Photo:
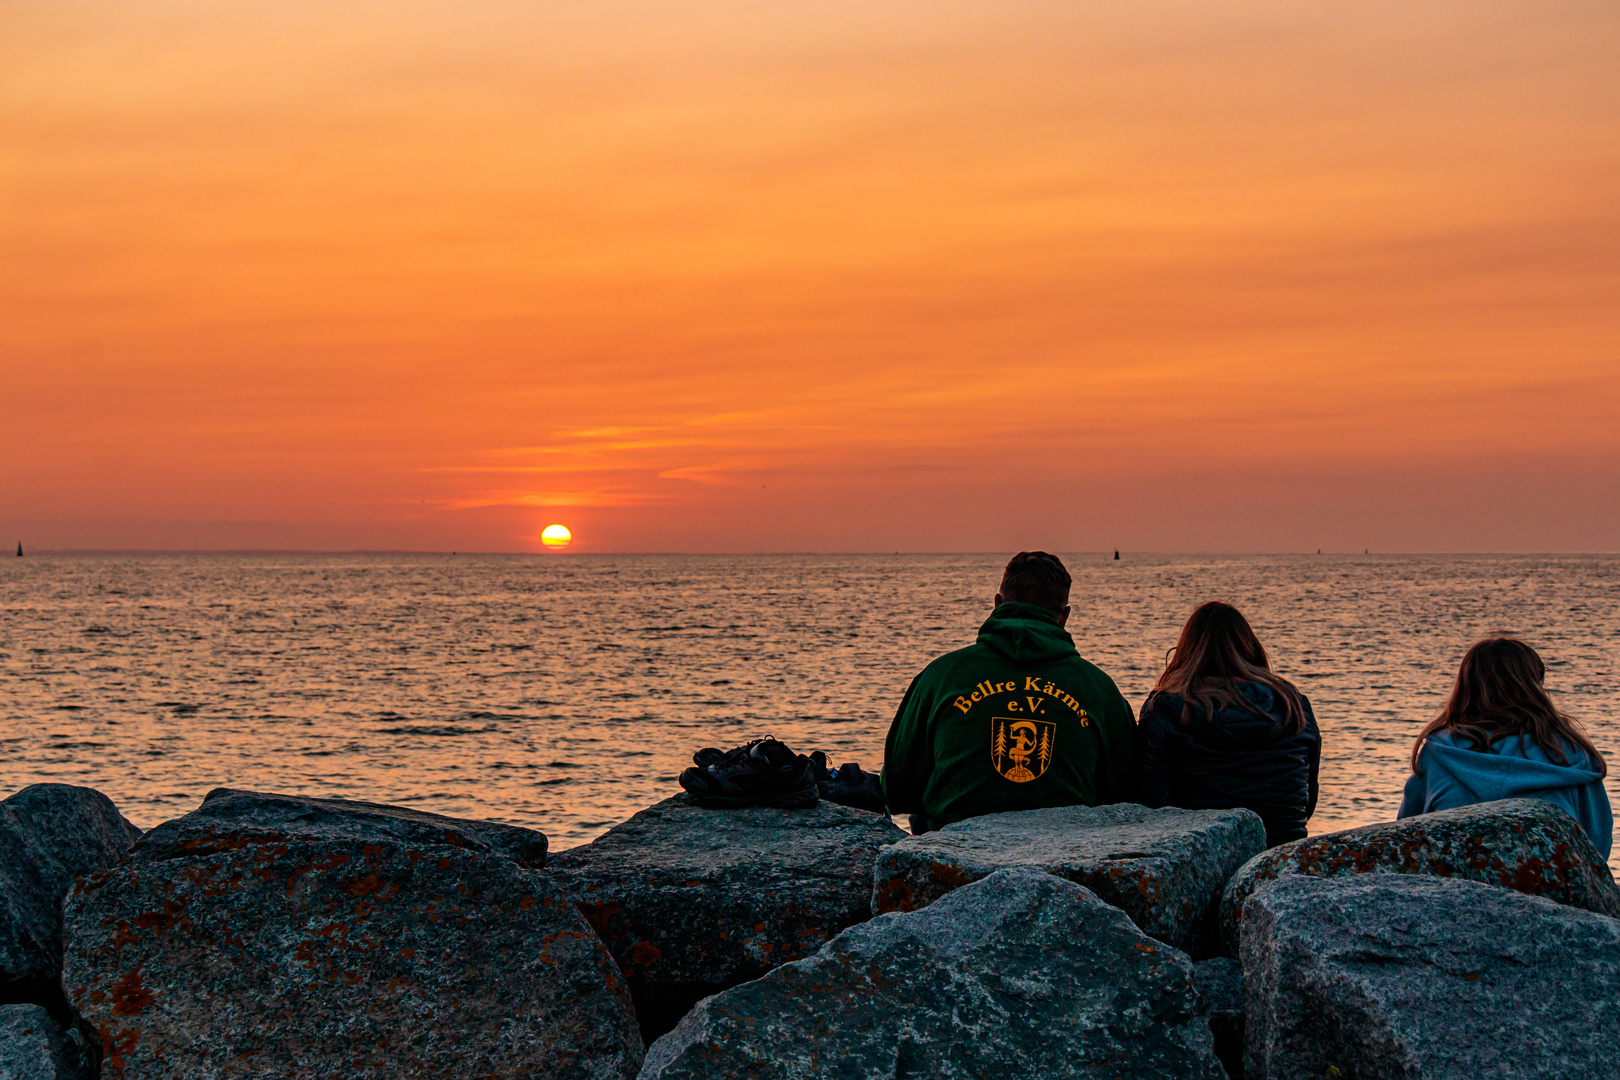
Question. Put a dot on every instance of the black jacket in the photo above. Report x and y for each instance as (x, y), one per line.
(1241, 759)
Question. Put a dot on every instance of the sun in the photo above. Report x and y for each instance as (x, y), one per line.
(555, 537)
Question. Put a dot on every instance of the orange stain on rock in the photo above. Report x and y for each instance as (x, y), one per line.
(129, 997)
(116, 1048)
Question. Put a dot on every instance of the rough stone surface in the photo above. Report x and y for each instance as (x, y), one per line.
(1527, 845)
(50, 834)
(1219, 982)
(33, 1047)
(1388, 975)
(691, 901)
(341, 957)
(1164, 868)
(1020, 974)
(229, 818)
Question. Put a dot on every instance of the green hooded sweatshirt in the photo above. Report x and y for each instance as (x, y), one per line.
(1016, 721)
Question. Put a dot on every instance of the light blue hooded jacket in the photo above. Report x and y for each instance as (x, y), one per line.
(1453, 775)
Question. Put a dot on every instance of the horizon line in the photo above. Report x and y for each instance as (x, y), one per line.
(457, 553)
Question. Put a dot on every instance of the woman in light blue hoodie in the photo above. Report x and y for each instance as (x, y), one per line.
(1501, 737)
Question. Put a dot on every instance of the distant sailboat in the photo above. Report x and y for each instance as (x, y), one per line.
(19, 549)
(1116, 554)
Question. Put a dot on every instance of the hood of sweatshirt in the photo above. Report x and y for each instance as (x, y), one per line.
(1026, 633)
(1515, 767)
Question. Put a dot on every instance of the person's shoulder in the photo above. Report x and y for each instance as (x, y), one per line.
(1161, 703)
(1443, 737)
(941, 667)
(1267, 700)
(967, 654)
(1522, 746)
(1444, 750)
(1161, 708)
(1091, 672)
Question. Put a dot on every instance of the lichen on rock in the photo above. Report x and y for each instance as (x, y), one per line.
(50, 834)
(338, 953)
(1526, 845)
(1164, 868)
(229, 819)
(691, 901)
(1405, 975)
(1020, 974)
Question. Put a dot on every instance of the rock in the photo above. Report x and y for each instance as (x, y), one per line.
(1020, 974)
(32, 1047)
(228, 819)
(1164, 868)
(692, 901)
(1219, 982)
(1522, 844)
(405, 951)
(1386, 975)
(50, 834)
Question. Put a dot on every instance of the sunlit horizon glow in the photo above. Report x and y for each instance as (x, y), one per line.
(1174, 276)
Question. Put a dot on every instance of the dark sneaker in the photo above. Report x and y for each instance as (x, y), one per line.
(761, 773)
(848, 785)
(711, 756)
(819, 771)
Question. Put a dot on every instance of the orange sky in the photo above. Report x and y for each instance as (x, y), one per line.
(810, 276)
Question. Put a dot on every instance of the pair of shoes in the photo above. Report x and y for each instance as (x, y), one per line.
(760, 773)
(848, 785)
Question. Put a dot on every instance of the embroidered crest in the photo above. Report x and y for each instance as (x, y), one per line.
(1021, 749)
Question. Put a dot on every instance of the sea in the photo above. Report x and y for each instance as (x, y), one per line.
(565, 692)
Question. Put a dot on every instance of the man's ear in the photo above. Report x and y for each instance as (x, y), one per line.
(998, 601)
(1063, 616)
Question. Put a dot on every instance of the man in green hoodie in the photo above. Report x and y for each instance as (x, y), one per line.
(1015, 721)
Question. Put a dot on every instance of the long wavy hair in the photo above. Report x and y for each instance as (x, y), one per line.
(1218, 650)
(1499, 693)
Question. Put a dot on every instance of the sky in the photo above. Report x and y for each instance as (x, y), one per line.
(1165, 275)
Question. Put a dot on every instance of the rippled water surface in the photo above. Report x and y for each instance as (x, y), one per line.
(566, 692)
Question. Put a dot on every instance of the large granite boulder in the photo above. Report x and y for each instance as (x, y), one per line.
(262, 952)
(50, 834)
(229, 819)
(1020, 974)
(1164, 868)
(691, 901)
(33, 1047)
(1386, 975)
(1527, 845)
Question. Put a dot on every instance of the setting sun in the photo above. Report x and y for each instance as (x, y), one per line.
(782, 277)
(555, 537)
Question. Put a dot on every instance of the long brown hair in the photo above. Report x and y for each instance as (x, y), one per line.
(1216, 651)
(1499, 693)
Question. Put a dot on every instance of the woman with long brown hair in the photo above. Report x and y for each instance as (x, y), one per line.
(1501, 737)
(1221, 731)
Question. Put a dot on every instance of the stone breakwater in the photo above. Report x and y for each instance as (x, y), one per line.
(267, 935)
(1163, 868)
(691, 902)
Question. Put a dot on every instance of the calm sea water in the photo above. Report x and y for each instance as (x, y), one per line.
(566, 692)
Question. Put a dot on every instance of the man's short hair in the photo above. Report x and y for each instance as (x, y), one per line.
(1034, 577)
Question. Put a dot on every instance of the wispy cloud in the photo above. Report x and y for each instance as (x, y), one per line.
(594, 498)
